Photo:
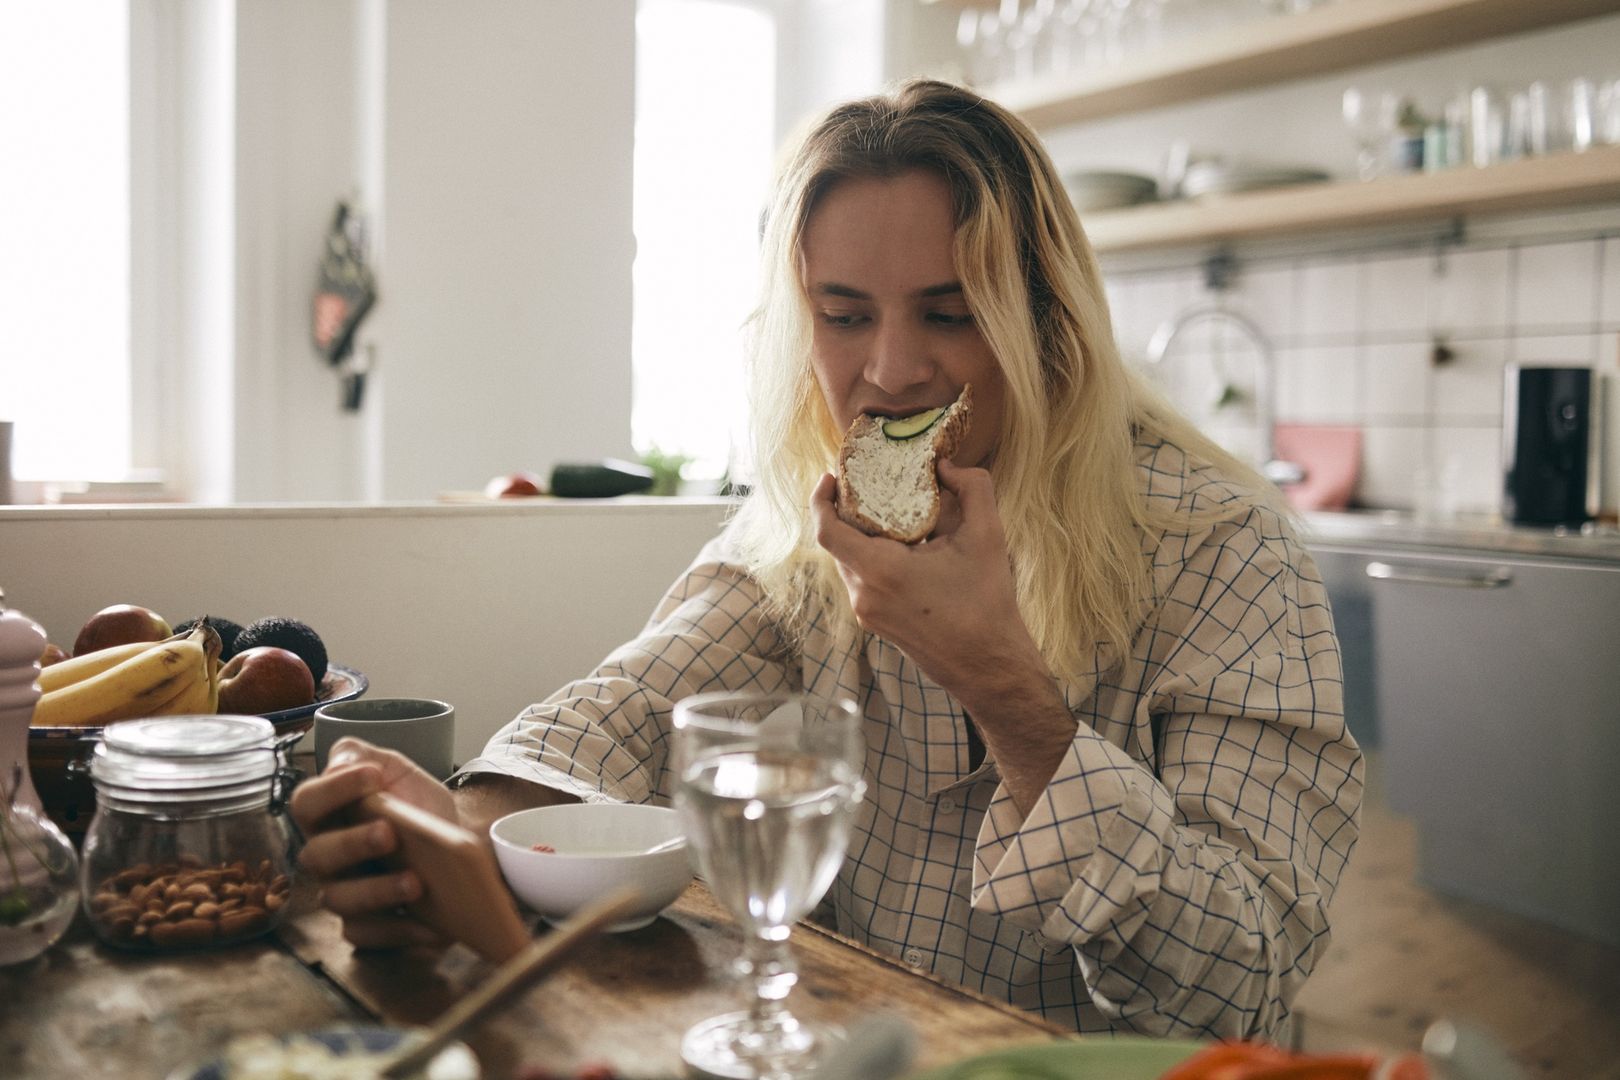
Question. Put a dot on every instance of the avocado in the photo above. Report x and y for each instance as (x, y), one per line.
(289, 634)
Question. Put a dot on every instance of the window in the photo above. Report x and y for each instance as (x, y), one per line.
(704, 140)
(64, 237)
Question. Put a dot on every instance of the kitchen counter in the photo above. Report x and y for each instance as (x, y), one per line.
(1475, 533)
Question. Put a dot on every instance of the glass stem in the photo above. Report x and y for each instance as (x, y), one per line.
(768, 962)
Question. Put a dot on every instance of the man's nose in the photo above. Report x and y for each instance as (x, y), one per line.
(900, 358)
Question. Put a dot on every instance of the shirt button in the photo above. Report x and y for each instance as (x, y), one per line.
(914, 957)
(947, 804)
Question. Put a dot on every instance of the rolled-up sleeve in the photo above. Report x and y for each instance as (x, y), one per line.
(605, 737)
(1193, 887)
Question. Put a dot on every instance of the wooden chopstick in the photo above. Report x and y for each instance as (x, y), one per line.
(513, 976)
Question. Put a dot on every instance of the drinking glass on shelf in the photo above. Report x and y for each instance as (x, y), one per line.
(767, 786)
(1580, 113)
(1371, 117)
(1607, 121)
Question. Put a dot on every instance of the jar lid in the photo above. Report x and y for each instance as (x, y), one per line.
(171, 755)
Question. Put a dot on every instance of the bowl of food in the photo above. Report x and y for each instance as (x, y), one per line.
(126, 658)
(557, 859)
(347, 1053)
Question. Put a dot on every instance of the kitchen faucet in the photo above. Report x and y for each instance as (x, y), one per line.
(1278, 472)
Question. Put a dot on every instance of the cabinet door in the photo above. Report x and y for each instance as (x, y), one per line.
(1499, 699)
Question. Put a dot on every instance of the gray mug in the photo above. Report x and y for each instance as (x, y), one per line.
(422, 729)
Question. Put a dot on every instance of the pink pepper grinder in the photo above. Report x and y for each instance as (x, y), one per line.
(39, 872)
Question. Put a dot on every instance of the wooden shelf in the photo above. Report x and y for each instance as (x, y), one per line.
(1276, 49)
(1525, 185)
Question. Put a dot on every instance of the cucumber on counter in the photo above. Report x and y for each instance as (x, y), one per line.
(600, 479)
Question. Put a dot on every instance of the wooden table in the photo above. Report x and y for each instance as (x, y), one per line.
(85, 1011)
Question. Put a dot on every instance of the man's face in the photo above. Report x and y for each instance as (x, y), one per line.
(893, 334)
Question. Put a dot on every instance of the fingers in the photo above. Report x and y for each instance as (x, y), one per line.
(975, 495)
(343, 783)
(388, 932)
(394, 766)
(950, 514)
(361, 896)
(836, 536)
(335, 852)
(824, 500)
(972, 486)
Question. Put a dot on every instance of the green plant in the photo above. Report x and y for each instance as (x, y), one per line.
(666, 469)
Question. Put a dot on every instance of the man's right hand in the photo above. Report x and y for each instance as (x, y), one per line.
(343, 855)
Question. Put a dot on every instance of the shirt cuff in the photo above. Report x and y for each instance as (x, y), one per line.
(1085, 858)
(526, 768)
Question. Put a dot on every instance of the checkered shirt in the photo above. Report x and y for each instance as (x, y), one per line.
(1174, 878)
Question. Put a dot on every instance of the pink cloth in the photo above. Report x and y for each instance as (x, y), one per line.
(1331, 458)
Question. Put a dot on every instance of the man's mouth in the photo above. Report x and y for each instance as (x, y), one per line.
(888, 413)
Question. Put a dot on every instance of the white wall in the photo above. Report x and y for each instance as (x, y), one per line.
(297, 121)
(506, 238)
(489, 607)
(490, 142)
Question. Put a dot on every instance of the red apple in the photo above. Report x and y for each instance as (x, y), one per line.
(514, 485)
(121, 624)
(264, 679)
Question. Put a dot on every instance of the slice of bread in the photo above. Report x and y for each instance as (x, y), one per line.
(888, 486)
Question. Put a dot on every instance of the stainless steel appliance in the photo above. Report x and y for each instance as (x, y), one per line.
(1550, 445)
(1498, 688)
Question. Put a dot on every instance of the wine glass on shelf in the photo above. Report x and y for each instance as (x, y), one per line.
(767, 786)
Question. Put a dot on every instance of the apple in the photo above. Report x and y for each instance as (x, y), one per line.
(53, 654)
(121, 624)
(264, 679)
(514, 485)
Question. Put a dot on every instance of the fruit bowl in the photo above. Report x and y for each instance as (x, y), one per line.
(70, 799)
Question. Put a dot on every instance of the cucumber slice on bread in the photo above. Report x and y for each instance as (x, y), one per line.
(909, 427)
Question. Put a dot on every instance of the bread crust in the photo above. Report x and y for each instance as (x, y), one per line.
(944, 438)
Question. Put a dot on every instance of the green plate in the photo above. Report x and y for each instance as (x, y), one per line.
(1092, 1057)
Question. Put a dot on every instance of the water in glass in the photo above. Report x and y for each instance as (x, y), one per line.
(767, 787)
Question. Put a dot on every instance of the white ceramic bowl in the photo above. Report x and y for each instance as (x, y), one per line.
(597, 850)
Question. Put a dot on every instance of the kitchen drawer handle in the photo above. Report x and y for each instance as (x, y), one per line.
(1495, 578)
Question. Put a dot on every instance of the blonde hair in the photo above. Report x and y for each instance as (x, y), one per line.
(1065, 474)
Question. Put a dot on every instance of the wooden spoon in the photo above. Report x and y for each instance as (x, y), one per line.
(512, 976)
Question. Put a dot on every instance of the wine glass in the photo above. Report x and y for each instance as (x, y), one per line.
(767, 786)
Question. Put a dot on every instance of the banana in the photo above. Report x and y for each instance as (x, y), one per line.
(138, 686)
(79, 668)
(212, 645)
(195, 699)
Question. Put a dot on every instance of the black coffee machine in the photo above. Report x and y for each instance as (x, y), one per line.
(1550, 444)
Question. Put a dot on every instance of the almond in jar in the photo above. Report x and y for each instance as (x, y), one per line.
(186, 849)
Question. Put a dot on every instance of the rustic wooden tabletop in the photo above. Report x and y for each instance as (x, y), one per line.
(83, 1010)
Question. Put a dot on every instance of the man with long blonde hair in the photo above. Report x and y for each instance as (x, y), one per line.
(1108, 774)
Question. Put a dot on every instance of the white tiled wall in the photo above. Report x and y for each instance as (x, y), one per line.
(1354, 339)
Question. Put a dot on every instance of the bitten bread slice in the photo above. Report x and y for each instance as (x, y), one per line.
(887, 486)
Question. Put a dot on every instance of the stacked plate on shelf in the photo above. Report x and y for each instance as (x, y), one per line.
(1219, 178)
(1094, 190)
